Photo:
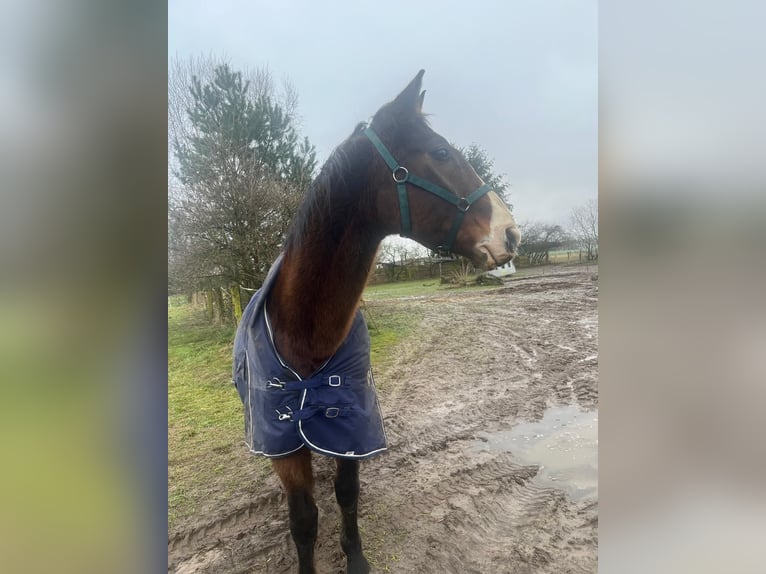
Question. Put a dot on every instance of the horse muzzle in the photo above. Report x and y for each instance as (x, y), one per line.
(512, 239)
(500, 245)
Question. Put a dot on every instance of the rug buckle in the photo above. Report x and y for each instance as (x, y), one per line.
(275, 383)
(284, 416)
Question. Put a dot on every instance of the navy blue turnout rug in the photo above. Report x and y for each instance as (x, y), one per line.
(334, 412)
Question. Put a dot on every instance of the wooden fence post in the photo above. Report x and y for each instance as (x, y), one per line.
(209, 304)
(236, 303)
(218, 298)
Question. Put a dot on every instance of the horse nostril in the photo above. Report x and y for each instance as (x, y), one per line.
(511, 239)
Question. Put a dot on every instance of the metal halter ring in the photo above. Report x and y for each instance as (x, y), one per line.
(463, 204)
(397, 170)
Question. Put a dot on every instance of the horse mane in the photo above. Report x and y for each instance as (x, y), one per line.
(339, 189)
(336, 190)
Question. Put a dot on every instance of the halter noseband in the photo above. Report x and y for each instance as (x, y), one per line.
(402, 176)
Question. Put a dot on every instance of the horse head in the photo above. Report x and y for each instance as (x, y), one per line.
(429, 192)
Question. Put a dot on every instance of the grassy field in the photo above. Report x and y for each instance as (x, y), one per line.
(206, 451)
(401, 289)
(414, 288)
(571, 256)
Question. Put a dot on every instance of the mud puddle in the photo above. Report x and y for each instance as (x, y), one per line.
(564, 444)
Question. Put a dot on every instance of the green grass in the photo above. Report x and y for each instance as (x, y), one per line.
(388, 327)
(400, 289)
(564, 256)
(208, 463)
(414, 288)
(199, 367)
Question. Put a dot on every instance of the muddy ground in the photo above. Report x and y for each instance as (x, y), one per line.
(446, 498)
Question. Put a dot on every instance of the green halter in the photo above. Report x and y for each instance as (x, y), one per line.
(402, 176)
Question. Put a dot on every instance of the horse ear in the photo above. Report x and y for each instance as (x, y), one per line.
(420, 101)
(409, 98)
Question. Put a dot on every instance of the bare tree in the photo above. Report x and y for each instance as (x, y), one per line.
(584, 222)
(538, 239)
(397, 255)
(393, 256)
(180, 98)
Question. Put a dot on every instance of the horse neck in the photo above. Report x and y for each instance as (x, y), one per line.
(317, 291)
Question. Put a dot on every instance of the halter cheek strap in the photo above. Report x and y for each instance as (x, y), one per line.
(402, 176)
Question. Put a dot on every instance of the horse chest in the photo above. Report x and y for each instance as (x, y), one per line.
(334, 412)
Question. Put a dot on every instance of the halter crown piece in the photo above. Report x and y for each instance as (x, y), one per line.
(402, 177)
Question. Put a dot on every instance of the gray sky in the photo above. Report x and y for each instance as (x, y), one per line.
(518, 78)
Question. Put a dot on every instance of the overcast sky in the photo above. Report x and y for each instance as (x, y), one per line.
(518, 78)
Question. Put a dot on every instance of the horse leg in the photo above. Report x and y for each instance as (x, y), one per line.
(298, 480)
(347, 495)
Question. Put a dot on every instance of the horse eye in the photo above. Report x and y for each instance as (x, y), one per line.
(440, 153)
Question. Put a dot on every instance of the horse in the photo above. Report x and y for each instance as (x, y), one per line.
(314, 391)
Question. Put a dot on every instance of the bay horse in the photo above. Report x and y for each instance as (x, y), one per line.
(309, 387)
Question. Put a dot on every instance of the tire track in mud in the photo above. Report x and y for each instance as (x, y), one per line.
(479, 362)
(489, 516)
(232, 525)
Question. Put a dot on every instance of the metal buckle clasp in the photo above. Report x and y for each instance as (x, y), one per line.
(334, 381)
(331, 412)
(275, 383)
(284, 416)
